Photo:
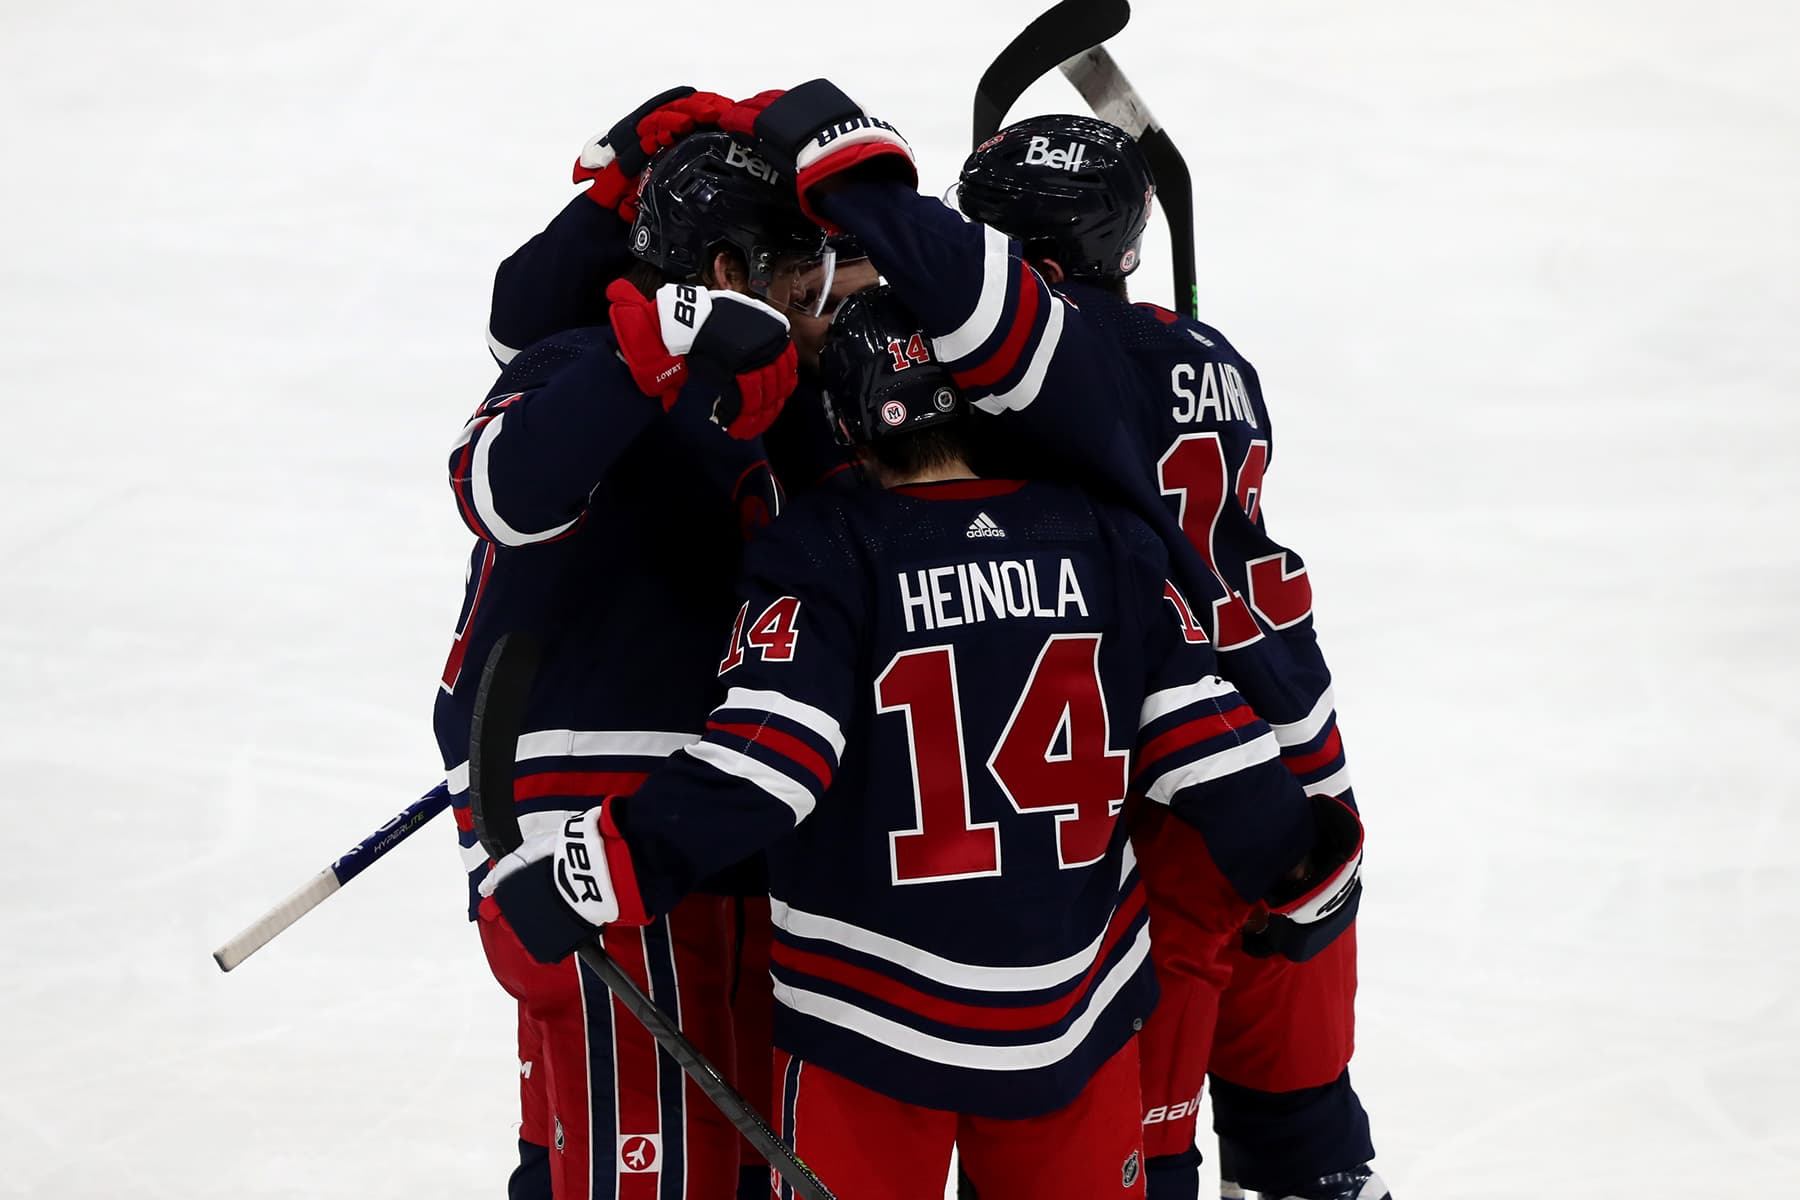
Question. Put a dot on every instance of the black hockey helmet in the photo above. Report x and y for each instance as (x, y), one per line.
(1074, 189)
(714, 189)
(880, 375)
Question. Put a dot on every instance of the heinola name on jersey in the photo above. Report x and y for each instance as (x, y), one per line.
(943, 597)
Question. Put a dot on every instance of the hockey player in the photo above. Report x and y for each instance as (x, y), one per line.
(608, 505)
(557, 281)
(1183, 426)
(933, 695)
(1289, 1122)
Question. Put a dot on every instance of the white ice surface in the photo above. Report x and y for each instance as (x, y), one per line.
(1521, 281)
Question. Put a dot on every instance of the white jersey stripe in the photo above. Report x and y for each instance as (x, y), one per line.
(967, 1054)
(1160, 704)
(1028, 387)
(783, 787)
(1258, 749)
(799, 712)
(502, 352)
(1298, 733)
(481, 490)
(584, 743)
(1334, 784)
(969, 337)
(945, 971)
(531, 824)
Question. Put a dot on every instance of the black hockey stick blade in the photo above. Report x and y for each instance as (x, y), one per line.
(494, 741)
(1058, 34)
(499, 716)
(1110, 94)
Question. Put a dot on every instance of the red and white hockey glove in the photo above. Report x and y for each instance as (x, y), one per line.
(613, 161)
(821, 133)
(1307, 914)
(559, 888)
(735, 343)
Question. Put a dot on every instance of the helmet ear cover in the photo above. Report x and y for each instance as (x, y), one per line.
(713, 191)
(880, 373)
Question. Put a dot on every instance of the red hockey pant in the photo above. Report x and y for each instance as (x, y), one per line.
(753, 1014)
(866, 1146)
(1264, 1023)
(621, 1119)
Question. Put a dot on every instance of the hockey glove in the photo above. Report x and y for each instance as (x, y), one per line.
(728, 340)
(1308, 914)
(613, 161)
(557, 889)
(820, 133)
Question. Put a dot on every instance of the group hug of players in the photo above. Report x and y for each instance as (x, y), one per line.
(927, 720)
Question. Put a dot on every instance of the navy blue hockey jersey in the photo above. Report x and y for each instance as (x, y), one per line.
(557, 281)
(612, 530)
(1161, 410)
(939, 699)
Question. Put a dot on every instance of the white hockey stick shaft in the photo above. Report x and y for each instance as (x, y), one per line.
(312, 893)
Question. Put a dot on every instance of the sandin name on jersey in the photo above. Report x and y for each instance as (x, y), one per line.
(944, 597)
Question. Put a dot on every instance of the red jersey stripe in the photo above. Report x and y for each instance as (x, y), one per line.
(1300, 764)
(784, 744)
(950, 1012)
(1197, 730)
(1004, 359)
(578, 783)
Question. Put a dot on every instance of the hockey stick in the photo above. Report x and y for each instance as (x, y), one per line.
(1104, 86)
(1069, 36)
(494, 739)
(313, 892)
(1056, 36)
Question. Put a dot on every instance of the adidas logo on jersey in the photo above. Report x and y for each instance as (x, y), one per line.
(984, 526)
(1039, 154)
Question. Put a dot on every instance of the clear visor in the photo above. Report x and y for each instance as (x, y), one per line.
(803, 285)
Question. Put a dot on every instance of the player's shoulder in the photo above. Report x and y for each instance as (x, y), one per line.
(1133, 536)
(541, 361)
(823, 530)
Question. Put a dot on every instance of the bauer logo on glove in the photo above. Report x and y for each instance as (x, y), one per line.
(575, 874)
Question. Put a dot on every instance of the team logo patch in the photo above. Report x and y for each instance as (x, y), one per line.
(1129, 1174)
(1128, 259)
(943, 399)
(893, 412)
(640, 1153)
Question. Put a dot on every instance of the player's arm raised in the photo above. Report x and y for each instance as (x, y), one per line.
(557, 280)
(1009, 340)
(527, 461)
(769, 754)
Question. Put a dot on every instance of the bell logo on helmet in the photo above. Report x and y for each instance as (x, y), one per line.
(747, 162)
(893, 412)
(1039, 154)
(991, 143)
